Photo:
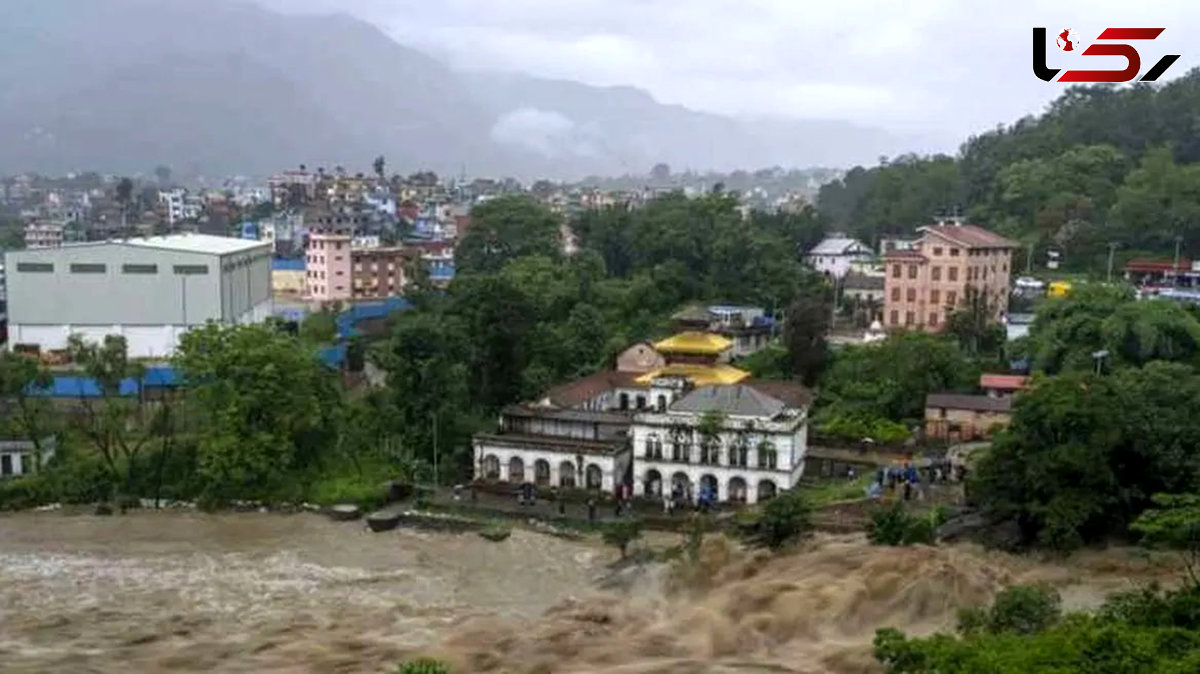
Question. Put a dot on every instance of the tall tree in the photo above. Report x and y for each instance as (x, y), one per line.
(804, 329)
(504, 229)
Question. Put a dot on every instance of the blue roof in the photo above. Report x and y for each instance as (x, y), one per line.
(333, 356)
(71, 386)
(287, 264)
(367, 311)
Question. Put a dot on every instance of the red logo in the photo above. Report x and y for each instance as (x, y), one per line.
(1067, 41)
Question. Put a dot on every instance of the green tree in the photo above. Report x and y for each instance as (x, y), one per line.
(31, 416)
(785, 519)
(115, 424)
(974, 325)
(1085, 452)
(380, 167)
(504, 229)
(621, 533)
(1174, 522)
(269, 406)
(163, 174)
(804, 329)
(319, 328)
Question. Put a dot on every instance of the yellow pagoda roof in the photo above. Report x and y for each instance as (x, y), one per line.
(702, 343)
(700, 375)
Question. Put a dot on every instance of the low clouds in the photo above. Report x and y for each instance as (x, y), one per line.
(950, 67)
(549, 134)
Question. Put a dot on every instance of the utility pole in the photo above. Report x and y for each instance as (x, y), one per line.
(1175, 267)
(435, 450)
(1029, 261)
(1112, 247)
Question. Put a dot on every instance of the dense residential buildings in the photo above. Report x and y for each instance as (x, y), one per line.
(949, 266)
(834, 255)
(379, 272)
(44, 235)
(149, 290)
(327, 257)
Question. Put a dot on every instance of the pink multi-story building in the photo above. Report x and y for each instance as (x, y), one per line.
(327, 263)
(948, 264)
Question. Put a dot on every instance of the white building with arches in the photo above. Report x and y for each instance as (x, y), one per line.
(552, 447)
(742, 442)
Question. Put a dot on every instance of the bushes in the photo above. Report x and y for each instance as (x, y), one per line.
(621, 533)
(785, 519)
(1020, 609)
(424, 666)
(855, 427)
(364, 492)
(1140, 632)
(893, 525)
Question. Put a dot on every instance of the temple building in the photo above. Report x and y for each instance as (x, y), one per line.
(585, 433)
(739, 442)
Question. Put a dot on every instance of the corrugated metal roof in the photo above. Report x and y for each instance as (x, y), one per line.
(694, 342)
(736, 400)
(195, 243)
(957, 401)
(838, 246)
(72, 386)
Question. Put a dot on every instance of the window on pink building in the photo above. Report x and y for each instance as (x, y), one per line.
(937, 250)
(912, 295)
(912, 271)
(934, 296)
(933, 319)
(951, 298)
(953, 252)
(952, 273)
(895, 271)
(935, 274)
(908, 318)
(895, 294)
(895, 317)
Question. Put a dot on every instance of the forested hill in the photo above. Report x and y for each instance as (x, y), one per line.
(1103, 164)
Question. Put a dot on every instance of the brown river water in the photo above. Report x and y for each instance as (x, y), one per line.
(188, 592)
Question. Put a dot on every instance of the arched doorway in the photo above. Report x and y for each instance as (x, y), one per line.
(594, 476)
(766, 490)
(491, 467)
(681, 487)
(708, 488)
(566, 475)
(653, 486)
(516, 470)
(737, 490)
(541, 472)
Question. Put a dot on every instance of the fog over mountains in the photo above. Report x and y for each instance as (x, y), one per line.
(222, 86)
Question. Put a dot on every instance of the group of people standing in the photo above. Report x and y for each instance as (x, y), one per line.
(908, 477)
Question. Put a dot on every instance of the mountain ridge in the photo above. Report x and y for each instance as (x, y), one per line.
(231, 87)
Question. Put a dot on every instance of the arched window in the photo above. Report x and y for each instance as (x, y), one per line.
(766, 490)
(541, 472)
(566, 475)
(594, 476)
(516, 470)
(662, 403)
(653, 487)
(737, 490)
(491, 467)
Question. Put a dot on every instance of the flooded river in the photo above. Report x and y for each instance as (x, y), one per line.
(187, 592)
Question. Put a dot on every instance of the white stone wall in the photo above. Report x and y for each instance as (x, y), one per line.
(790, 439)
(611, 468)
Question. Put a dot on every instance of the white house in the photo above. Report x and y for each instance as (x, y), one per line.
(20, 457)
(834, 255)
(758, 447)
(549, 446)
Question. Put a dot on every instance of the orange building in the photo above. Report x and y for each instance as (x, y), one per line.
(926, 283)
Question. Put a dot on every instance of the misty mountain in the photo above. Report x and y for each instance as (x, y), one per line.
(219, 86)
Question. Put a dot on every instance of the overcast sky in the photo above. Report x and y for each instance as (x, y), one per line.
(941, 67)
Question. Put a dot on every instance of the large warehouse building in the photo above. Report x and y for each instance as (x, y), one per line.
(148, 290)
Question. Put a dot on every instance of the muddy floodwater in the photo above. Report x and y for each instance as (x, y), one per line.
(187, 592)
(159, 592)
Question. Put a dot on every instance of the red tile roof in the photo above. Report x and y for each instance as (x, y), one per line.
(580, 391)
(905, 254)
(1004, 382)
(1157, 265)
(971, 236)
